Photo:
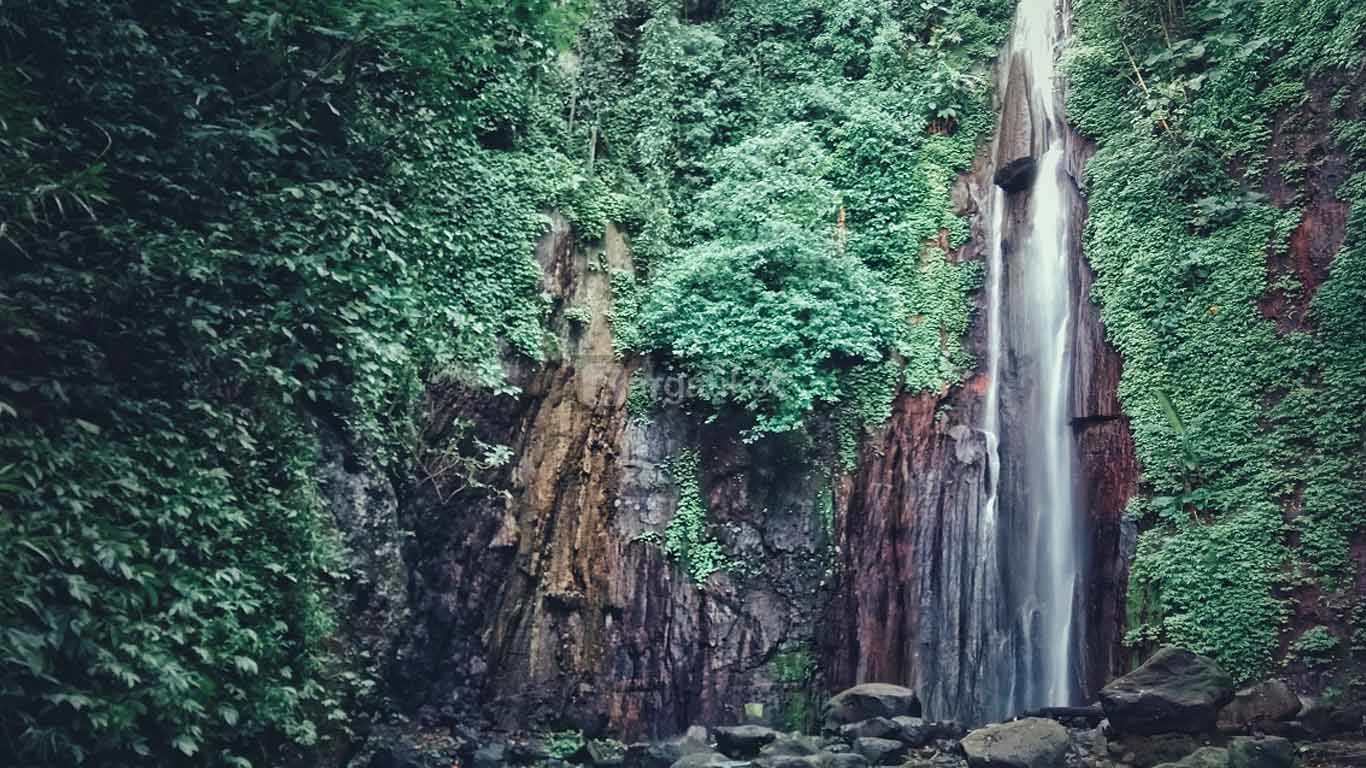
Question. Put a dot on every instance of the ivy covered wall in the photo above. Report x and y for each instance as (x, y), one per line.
(1227, 236)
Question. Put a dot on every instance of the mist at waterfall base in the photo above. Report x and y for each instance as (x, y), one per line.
(1030, 554)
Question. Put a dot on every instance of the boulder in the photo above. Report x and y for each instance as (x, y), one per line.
(795, 745)
(869, 700)
(661, 754)
(1033, 742)
(1320, 717)
(1175, 690)
(1265, 752)
(1016, 175)
(1204, 757)
(488, 756)
(818, 760)
(709, 760)
(1148, 751)
(1271, 700)
(874, 727)
(743, 740)
(847, 760)
(916, 732)
(880, 751)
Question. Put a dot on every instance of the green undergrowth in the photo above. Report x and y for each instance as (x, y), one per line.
(1249, 435)
(788, 164)
(688, 537)
(220, 224)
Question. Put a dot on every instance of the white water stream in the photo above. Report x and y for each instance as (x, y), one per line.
(1029, 327)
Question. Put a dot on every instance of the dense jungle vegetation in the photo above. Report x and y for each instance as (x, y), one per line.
(1249, 427)
(228, 226)
(228, 223)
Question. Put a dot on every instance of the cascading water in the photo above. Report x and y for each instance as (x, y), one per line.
(1030, 449)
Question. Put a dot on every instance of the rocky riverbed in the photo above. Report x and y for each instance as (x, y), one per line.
(1177, 710)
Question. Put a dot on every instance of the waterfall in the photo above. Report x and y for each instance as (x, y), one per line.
(1030, 495)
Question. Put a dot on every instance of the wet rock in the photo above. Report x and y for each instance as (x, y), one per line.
(1265, 701)
(1017, 175)
(661, 754)
(1320, 717)
(1175, 690)
(916, 732)
(817, 760)
(869, 700)
(847, 760)
(1148, 751)
(880, 751)
(490, 756)
(743, 740)
(1091, 742)
(709, 760)
(1267, 752)
(792, 745)
(1204, 757)
(874, 727)
(1029, 743)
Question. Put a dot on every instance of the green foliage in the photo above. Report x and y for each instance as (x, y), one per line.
(562, 744)
(1235, 420)
(688, 538)
(221, 223)
(767, 324)
(624, 314)
(794, 669)
(640, 398)
(1315, 646)
(789, 165)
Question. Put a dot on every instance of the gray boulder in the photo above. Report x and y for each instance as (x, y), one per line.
(847, 760)
(1148, 751)
(917, 732)
(662, 754)
(795, 745)
(869, 700)
(1032, 742)
(1175, 690)
(1204, 757)
(1266, 752)
(880, 751)
(792, 761)
(709, 760)
(1267, 701)
(873, 727)
(1321, 717)
(743, 740)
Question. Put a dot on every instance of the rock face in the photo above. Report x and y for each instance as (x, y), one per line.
(870, 700)
(1017, 175)
(542, 603)
(1266, 701)
(743, 740)
(876, 727)
(1032, 742)
(880, 751)
(1173, 691)
(917, 602)
(1267, 752)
